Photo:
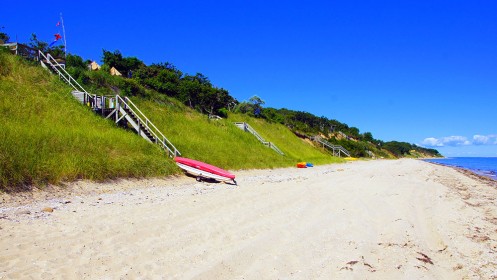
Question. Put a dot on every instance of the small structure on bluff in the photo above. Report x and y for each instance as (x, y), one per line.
(94, 66)
(114, 72)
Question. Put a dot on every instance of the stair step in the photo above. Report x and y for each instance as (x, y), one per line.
(79, 95)
(246, 127)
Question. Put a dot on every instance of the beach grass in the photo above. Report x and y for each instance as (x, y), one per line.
(222, 143)
(48, 137)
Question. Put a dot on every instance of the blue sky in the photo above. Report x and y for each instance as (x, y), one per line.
(423, 72)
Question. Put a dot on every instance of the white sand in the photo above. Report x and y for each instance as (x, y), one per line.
(403, 219)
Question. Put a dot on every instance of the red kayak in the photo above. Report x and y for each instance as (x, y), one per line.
(204, 170)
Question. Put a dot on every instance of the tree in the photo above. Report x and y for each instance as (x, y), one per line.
(274, 115)
(162, 77)
(76, 61)
(113, 59)
(37, 44)
(368, 136)
(244, 108)
(57, 51)
(124, 65)
(3, 36)
(399, 149)
(257, 103)
(354, 131)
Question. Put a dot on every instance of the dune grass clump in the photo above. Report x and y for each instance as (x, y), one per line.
(221, 143)
(48, 137)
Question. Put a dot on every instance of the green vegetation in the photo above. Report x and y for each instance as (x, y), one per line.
(221, 143)
(358, 144)
(293, 147)
(196, 92)
(48, 137)
(51, 138)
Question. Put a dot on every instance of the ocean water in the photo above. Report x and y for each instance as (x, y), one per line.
(486, 166)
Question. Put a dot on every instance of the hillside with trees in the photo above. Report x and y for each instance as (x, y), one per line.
(49, 137)
(160, 81)
(198, 93)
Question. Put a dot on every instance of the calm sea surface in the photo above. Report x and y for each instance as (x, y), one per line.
(486, 166)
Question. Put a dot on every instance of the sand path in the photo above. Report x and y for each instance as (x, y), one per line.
(403, 219)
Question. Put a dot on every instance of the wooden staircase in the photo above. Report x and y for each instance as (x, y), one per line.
(337, 150)
(246, 127)
(121, 109)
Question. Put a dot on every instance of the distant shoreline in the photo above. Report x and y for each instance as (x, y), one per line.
(480, 173)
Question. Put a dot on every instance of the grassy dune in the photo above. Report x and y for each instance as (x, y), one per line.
(221, 143)
(294, 148)
(48, 137)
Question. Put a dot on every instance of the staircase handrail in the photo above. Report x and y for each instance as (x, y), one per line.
(63, 73)
(319, 139)
(273, 146)
(251, 130)
(247, 127)
(164, 142)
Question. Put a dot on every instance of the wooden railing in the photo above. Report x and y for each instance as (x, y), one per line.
(337, 150)
(246, 127)
(158, 137)
(63, 75)
(109, 106)
(25, 51)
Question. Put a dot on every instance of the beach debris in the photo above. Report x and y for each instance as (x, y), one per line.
(493, 246)
(47, 209)
(445, 248)
(425, 258)
(370, 267)
(389, 244)
(457, 267)
(347, 268)
(23, 212)
(349, 265)
(479, 238)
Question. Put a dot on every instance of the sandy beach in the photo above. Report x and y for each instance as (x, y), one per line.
(385, 219)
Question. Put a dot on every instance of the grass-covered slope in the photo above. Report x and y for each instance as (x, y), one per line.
(221, 143)
(293, 147)
(48, 137)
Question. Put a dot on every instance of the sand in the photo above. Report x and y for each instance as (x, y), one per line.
(402, 219)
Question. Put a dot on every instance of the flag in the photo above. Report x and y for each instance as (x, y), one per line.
(57, 37)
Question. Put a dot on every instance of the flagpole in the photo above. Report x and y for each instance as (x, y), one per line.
(64, 32)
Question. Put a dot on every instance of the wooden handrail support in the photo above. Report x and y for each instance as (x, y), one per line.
(247, 127)
(142, 118)
(128, 104)
(339, 148)
(66, 76)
